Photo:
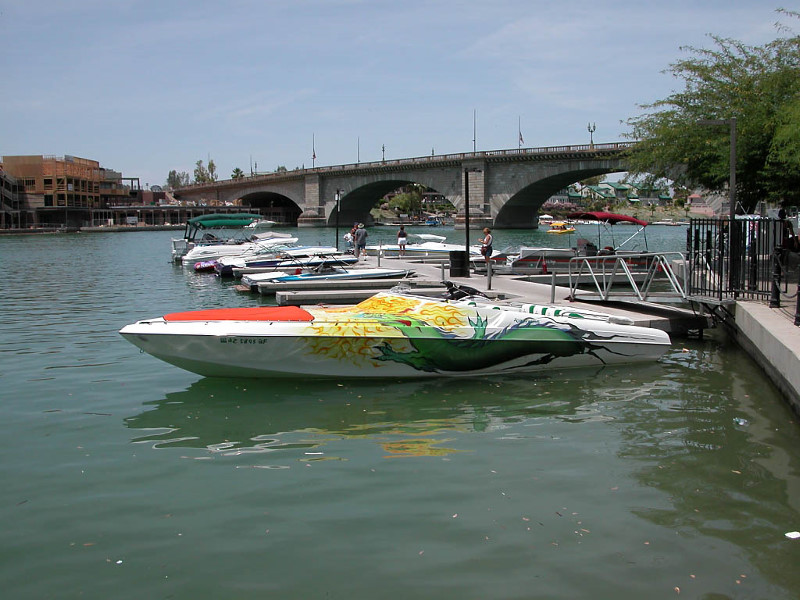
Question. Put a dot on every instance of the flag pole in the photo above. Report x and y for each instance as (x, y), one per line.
(313, 150)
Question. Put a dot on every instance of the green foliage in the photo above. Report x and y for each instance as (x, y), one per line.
(597, 180)
(177, 180)
(237, 173)
(759, 87)
(200, 173)
(407, 203)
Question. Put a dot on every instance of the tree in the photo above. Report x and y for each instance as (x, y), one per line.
(596, 180)
(177, 180)
(409, 201)
(201, 173)
(237, 173)
(760, 87)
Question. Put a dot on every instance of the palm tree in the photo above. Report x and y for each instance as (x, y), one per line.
(237, 173)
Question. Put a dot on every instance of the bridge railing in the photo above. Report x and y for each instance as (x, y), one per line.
(424, 160)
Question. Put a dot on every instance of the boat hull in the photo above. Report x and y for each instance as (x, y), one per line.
(332, 275)
(390, 335)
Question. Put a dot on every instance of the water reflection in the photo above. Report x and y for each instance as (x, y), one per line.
(722, 447)
(404, 418)
(703, 450)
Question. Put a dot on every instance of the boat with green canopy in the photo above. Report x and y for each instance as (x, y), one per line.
(215, 228)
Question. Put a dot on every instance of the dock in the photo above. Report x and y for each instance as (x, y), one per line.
(429, 280)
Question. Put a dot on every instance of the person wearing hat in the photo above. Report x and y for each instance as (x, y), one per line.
(361, 241)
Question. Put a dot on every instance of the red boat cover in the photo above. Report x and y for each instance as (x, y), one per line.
(258, 313)
(606, 217)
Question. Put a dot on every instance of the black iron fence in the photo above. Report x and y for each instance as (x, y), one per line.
(746, 261)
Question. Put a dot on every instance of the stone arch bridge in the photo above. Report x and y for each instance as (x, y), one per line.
(505, 187)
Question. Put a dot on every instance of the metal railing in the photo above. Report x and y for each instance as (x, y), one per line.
(729, 264)
(647, 277)
(751, 264)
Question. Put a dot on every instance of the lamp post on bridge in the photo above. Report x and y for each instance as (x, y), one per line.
(591, 128)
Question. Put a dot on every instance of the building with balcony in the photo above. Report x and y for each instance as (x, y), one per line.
(11, 215)
(64, 191)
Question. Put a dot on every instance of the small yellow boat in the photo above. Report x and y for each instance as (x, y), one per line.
(560, 227)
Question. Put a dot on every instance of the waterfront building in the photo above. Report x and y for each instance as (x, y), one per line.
(621, 191)
(63, 191)
(11, 215)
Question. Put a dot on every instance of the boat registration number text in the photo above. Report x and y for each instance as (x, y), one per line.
(246, 341)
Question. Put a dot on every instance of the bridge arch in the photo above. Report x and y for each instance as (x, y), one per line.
(359, 194)
(519, 209)
(273, 206)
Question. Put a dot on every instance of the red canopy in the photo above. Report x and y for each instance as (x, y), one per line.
(606, 217)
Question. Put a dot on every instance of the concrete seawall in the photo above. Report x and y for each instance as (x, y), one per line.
(771, 338)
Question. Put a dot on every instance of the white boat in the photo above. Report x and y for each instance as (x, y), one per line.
(393, 335)
(427, 249)
(213, 229)
(216, 251)
(260, 225)
(324, 272)
(545, 260)
(271, 259)
(266, 248)
(670, 222)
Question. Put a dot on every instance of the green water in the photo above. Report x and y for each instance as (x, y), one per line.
(124, 477)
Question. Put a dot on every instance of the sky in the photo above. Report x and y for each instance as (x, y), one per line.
(146, 86)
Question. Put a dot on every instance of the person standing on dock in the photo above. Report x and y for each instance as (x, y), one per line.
(348, 240)
(402, 237)
(486, 245)
(361, 241)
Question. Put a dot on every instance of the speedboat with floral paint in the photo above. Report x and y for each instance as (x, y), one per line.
(392, 334)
